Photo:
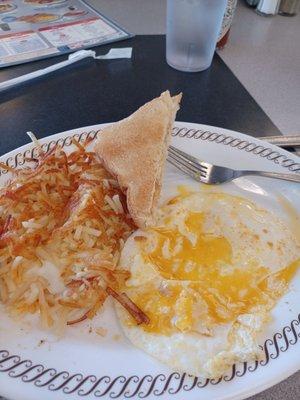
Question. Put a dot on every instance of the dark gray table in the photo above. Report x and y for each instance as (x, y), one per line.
(92, 92)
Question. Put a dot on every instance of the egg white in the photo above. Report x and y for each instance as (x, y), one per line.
(250, 230)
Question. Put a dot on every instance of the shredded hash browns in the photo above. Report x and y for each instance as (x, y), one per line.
(63, 223)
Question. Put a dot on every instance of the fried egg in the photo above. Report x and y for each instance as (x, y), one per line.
(207, 276)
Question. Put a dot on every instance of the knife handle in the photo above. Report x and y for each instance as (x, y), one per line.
(283, 141)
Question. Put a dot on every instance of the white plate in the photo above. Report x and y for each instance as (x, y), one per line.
(35, 365)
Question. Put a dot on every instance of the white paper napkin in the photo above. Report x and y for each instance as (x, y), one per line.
(74, 57)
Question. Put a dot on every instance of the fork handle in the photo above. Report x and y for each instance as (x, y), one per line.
(276, 175)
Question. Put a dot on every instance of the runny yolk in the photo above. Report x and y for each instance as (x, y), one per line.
(201, 280)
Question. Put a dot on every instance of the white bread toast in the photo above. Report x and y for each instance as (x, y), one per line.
(134, 151)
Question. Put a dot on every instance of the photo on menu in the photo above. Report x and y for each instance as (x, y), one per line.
(33, 29)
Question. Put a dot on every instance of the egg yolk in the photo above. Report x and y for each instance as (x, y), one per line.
(201, 283)
(176, 257)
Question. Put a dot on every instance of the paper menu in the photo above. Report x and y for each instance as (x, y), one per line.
(33, 29)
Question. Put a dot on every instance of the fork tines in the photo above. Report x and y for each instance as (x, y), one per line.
(186, 163)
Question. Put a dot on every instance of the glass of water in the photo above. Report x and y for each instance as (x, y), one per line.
(192, 32)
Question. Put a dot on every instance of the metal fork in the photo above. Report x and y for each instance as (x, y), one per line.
(214, 174)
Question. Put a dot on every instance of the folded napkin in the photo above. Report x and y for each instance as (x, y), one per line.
(74, 57)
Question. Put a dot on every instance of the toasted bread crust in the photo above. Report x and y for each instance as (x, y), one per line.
(134, 151)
